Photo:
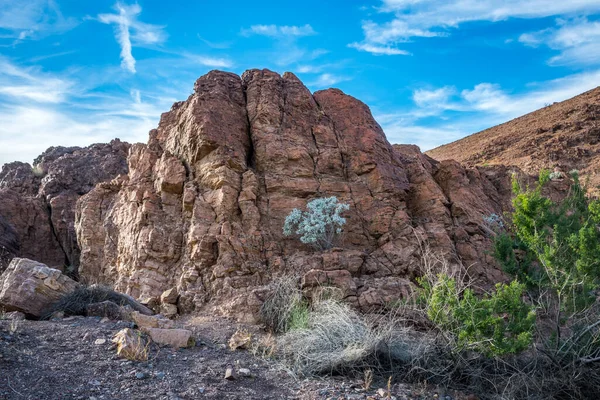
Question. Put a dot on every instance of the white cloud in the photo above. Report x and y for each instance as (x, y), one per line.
(403, 129)
(436, 98)
(487, 97)
(577, 40)
(129, 29)
(136, 96)
(31, 84)
(32, 19)
(27, 131)
(280, 30)
(39, 109)
(432, 18)
(215, 62)
(378, 50)
(472, 110)
(328, 80)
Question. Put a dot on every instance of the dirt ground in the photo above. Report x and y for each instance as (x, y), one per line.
(63, 359)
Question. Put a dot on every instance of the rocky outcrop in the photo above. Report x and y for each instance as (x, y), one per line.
(31, 287)
(37, 204)
(203, 204)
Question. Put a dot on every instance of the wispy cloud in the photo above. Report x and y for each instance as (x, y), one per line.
(32, 19)
(286, 50)
(436, 18)
(378, 50)
(215, 45)
(128, 30)
(32, 84)
(52, 55)
(39, 109)
(436, 99)
(214, 62)
(328, 80)
(577, 40)
(279, 31)
(451, 114)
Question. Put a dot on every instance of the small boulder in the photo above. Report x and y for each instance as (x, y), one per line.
(31, 287)
(168, 310)
(169, 296)
(131, 345)
(171, 337)
(240, 339)
(229, 374)
(150, 321)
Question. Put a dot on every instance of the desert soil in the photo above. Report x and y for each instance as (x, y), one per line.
(63, 359)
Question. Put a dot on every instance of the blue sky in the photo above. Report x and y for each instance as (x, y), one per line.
(78, 72)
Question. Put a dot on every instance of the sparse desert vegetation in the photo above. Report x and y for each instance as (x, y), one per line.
(269, 242)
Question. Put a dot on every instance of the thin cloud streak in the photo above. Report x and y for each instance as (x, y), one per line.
(436, 18)
(142, 33)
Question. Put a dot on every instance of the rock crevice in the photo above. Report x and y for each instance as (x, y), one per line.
(203, 204)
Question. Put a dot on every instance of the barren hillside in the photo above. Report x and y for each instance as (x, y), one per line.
(563, 135)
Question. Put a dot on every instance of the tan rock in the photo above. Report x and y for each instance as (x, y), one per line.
(241, 339)
(31, 287)
(169, 310)
(171, 337)
(169, 296)
(150, 321)
(131, 345)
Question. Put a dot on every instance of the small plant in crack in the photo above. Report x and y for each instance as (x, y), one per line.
(320, 225)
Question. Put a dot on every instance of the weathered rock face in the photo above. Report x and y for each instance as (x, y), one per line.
(37, 205)
(31, 287)
(203, 205)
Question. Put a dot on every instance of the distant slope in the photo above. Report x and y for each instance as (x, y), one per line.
(562, 136)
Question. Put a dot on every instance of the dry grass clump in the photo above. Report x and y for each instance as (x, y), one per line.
(75, 303)
(284, 308)
(338, 340)
(403, 343)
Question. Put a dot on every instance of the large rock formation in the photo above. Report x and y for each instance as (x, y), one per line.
(37, 204)
(203, 204)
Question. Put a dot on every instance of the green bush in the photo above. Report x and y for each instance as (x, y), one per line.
(561, 242)
(495, 324)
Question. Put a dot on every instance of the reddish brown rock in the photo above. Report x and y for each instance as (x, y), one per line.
(37, 204)
(203, 204)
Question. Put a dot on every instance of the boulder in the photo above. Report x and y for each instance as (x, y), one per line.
(168, 310)
(171, 337)
(31, 287)
(169, 296)
(131, 345)
(150, 321)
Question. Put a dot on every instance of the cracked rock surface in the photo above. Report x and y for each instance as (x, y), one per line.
(203, 204)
